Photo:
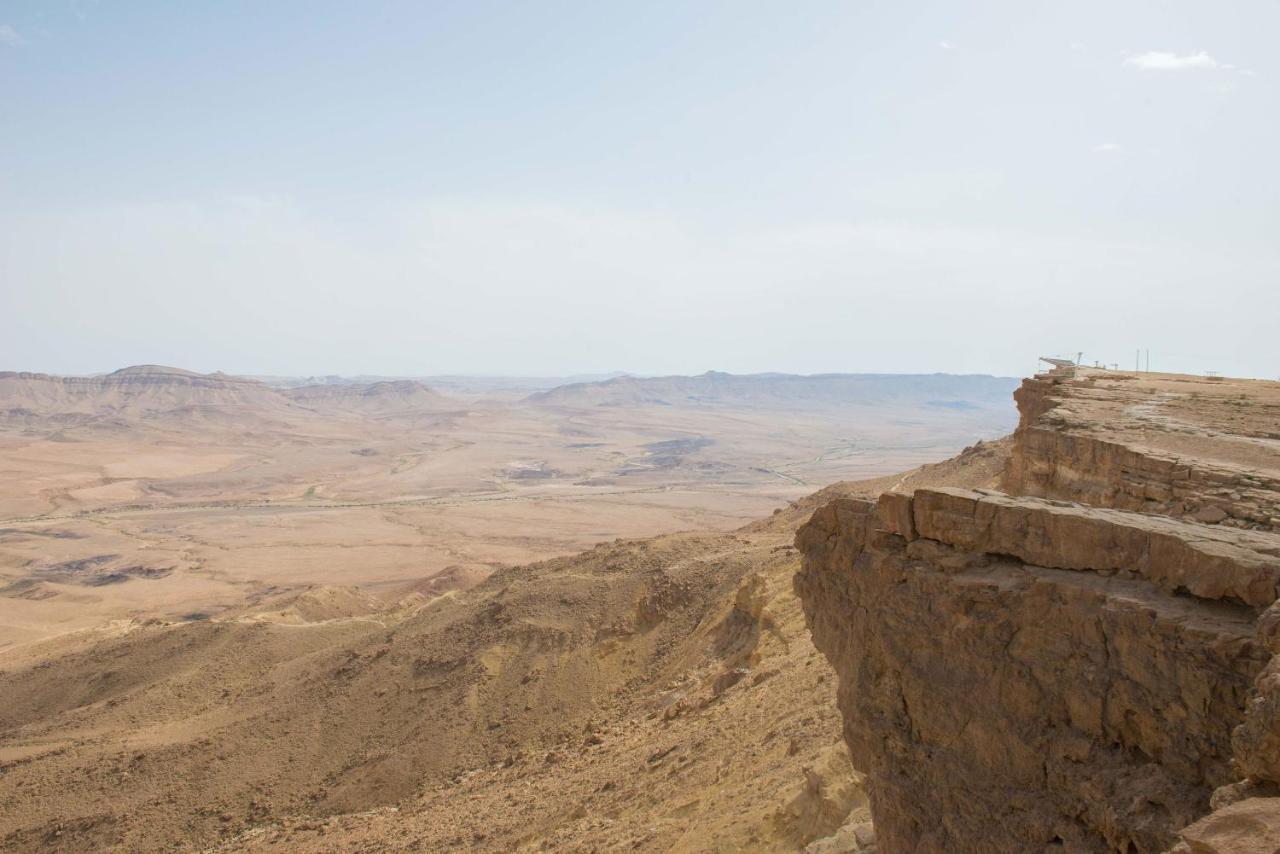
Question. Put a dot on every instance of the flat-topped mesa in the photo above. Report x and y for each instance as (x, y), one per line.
(142, 388)
(1201, 448)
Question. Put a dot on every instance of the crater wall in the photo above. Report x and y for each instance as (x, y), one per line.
(1072, 667)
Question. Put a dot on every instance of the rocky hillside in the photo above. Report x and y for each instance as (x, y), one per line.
(660, 694)
(657, 693)
(1088, 663)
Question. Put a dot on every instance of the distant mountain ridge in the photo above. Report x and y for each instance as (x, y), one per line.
(774, 389)
(150, 390)
(445, 383)
(140, 387)
(385, 395)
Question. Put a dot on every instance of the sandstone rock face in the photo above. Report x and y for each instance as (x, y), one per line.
(1023, 673)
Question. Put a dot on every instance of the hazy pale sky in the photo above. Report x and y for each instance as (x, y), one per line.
(658, 187)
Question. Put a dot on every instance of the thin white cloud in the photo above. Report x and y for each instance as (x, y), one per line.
(9, 36)
(1163, 60)
(1107, 148)
(946, 45)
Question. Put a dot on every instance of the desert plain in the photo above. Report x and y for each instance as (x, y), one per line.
(159, 493)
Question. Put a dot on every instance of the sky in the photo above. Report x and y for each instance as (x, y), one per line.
(555, 188)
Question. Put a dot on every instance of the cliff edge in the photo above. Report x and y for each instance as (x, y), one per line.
(1087, 661)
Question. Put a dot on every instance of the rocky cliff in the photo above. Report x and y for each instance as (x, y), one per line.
(1181, 446)
(1087, 662)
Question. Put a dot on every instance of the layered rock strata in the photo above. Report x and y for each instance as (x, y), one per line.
(1020, 673)
(1207, 450)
